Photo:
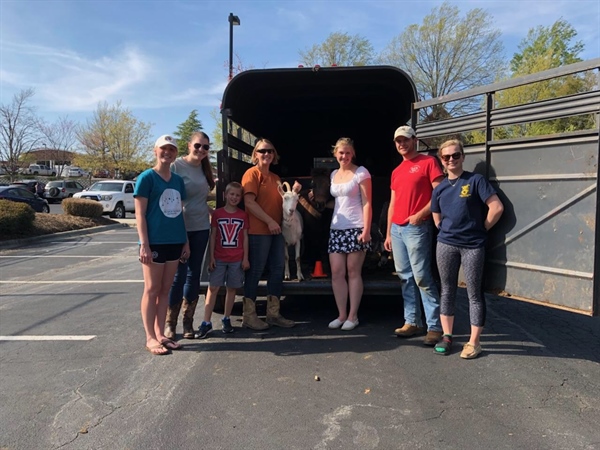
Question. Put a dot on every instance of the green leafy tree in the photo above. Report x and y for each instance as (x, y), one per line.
(114, 139)
(185, 130)
(545, 48)
(340, 49)
(448, 53)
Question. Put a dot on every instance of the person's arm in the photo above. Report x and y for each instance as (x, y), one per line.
(495, 210)
(211, 248)
(141, 205)
(387, 245)
(246, 261)
(437, 219)
(257, 211)
(365, 195)
(421, 215)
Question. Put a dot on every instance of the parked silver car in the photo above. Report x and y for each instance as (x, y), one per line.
(56, 190)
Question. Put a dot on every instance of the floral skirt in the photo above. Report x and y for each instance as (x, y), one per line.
(346, 241)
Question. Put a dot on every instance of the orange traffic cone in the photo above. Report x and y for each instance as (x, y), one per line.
(318, 272)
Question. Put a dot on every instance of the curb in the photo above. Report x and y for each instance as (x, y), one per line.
(16, 243)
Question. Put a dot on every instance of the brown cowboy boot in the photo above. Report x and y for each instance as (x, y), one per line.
(171, 323)
(249, 317)
(189, 308)
(273, 316)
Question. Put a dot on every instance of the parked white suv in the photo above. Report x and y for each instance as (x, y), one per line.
(116, 196)
(39, 169)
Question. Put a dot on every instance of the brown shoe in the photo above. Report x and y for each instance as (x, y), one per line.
(408, 330)
(432, 338)
(470, 351)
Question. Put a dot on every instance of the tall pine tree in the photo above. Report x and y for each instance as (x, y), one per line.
(185, 130)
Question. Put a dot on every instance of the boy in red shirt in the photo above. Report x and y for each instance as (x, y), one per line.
(228, 256)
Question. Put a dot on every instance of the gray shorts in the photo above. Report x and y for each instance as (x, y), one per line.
(229, 274)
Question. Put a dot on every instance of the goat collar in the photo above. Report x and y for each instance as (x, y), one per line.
(310, 208)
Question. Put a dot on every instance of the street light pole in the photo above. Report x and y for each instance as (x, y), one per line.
(233, 20)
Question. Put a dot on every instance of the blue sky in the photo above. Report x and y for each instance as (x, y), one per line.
(162, 59)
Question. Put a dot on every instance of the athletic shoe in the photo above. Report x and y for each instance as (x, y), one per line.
(203, 330)
(227, 328)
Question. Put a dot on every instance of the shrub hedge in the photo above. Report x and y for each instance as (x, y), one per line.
(82, 207)
(15, 218)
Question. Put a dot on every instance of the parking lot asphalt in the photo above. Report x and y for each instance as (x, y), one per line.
(75, 374)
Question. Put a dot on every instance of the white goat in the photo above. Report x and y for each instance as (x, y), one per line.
(292, 225)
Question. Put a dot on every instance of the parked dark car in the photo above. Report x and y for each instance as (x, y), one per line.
(17, 193)
(28, 184)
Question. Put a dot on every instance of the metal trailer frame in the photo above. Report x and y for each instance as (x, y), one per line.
(545, 249)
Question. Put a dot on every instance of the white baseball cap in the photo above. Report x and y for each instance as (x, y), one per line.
(405, 131)
(165, 139)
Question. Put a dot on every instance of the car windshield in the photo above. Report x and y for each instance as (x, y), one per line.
(111, 187)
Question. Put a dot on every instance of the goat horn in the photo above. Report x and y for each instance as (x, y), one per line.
(287, 186)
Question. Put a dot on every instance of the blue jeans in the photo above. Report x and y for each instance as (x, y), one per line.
(411, 247)
(187, 279)
(265, 251)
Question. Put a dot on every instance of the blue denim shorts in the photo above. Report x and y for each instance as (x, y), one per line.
(229, 274)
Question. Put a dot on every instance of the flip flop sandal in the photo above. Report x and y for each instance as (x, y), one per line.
(158, 350)
(171, 345)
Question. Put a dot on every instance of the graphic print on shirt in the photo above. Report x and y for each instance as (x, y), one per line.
(464, 191)
(170, 203)
(230, 231)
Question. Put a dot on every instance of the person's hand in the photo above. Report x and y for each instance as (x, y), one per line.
(364, 238)
(145, 254)
(185, 253)
(416, 219)
(212, 265)
(274, 227)
(245, 264)
(387, 244)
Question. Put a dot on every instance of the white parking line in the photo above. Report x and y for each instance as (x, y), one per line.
(46, 338)
(69, 256)
(92, 243)
(70, 282)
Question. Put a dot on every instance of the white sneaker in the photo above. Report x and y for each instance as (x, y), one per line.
(335, 324)
(349, 325)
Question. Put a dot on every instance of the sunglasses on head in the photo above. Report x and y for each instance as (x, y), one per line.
(202, 146)
(262, 151)
(454, 156)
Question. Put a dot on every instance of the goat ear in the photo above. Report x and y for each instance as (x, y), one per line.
(297, 187)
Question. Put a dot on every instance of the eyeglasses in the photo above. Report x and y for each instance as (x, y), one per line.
(262, 151)
(454, 156)
(202, 146)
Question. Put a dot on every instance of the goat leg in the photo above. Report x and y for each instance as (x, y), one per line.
(287, 263)
(298, 265)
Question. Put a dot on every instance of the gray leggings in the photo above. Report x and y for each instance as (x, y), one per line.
(449, 259)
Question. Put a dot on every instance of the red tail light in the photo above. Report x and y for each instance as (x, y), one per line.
(64, 190)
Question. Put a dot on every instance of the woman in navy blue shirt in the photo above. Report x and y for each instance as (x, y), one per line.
(464, 207)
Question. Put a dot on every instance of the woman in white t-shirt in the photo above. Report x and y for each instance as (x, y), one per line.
(350, 233)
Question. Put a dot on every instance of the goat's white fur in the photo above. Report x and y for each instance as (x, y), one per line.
(292, 226)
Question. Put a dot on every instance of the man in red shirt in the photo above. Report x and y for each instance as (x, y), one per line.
(409, 236)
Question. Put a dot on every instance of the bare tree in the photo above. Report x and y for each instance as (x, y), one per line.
(19, 133)
(447, 54)
(340, 49)
(59, 137)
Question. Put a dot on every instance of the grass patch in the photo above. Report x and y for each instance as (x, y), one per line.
(56, 223)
